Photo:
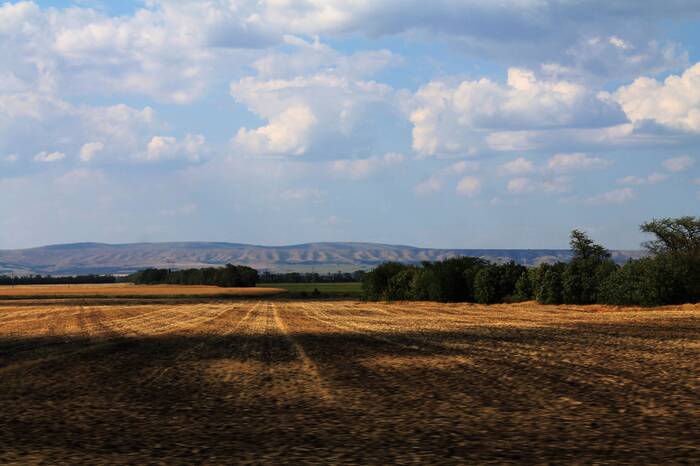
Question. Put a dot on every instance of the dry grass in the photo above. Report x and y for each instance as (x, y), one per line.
(129, 289)
(348, 382)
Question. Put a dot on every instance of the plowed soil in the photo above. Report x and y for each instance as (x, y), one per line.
(273, 381)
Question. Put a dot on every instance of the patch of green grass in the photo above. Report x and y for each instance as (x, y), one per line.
(329, 289)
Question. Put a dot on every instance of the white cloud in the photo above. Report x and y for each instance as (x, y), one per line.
(653, 178)
(288, 133)
(678, 164)
(89, 150)
(168, 147)
(428, 186)
(78, 177)
(519, 166)
(11, 158)
(575, 161)
(616, 196)
(435, 182)
(314, 57)
(469, 186)
(47, 157)
(520, 185)
(307, 109)
(468, 116)
(559, 184)
(460, 167)
(363, 168)
(675, 103)
(122, 129)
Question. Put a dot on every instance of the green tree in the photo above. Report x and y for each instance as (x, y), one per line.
(550, 287)
(523, 287)
(486, 285)
(584, 274)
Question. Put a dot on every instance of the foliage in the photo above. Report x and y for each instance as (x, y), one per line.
(51, 280)
(670, 275)
(311, 277)
(228, 276)
(583, 276)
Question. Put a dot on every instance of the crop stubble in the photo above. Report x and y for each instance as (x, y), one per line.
(347, 382)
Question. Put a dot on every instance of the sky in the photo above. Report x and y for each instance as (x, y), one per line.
(450, 123)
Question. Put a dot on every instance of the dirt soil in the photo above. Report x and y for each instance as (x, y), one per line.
(297, 382)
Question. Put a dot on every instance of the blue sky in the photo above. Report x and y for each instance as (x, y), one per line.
(444, 124)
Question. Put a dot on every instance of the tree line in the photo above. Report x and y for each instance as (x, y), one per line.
(311, 277)
(52, 280)
(228, 276)
(669, 274)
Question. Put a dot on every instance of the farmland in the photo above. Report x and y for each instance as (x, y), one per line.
(296, 381)
(353, 289)
(128, 290)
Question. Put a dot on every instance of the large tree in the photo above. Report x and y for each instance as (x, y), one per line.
(677, 236)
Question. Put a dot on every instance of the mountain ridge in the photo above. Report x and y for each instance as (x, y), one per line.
(95, 257)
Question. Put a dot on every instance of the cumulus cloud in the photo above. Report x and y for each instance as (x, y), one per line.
(80, 176)
(48, 157)
(653, 178)
(518, 166)
(678, 164)
(89, 150)
(601, 57)
(468, 116)
(673, 103)
(469, 186)
(287, 133)
(121, 128)
(435, 182)
(363, 168)
(520, 185)
(616, 196)
(314, 57)
(167, 148)
(428, 186)
(167, 51)
(306, 109)
(575, 161)
(527, 31)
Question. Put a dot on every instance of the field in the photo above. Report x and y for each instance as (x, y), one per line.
(128, 290)
(328, 289)
(292, 381)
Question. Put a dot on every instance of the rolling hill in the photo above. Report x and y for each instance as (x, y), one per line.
(83, 258)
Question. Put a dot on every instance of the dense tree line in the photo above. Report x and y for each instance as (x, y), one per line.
(311, 277)
(451, 280)
(51, 280)
(670, 274)
(228, 276)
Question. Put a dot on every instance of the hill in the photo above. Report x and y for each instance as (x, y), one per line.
(83, 258)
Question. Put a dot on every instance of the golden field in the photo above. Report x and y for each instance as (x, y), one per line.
(128, 290)
(262, 380)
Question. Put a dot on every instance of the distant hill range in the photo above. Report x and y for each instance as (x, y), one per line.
(100, 258)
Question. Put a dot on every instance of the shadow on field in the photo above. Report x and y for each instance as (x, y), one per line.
(585, 393)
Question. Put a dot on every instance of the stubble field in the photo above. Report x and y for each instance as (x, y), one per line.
(277, 381)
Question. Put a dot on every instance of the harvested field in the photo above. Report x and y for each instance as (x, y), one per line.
(128, 290)
(345, 382)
